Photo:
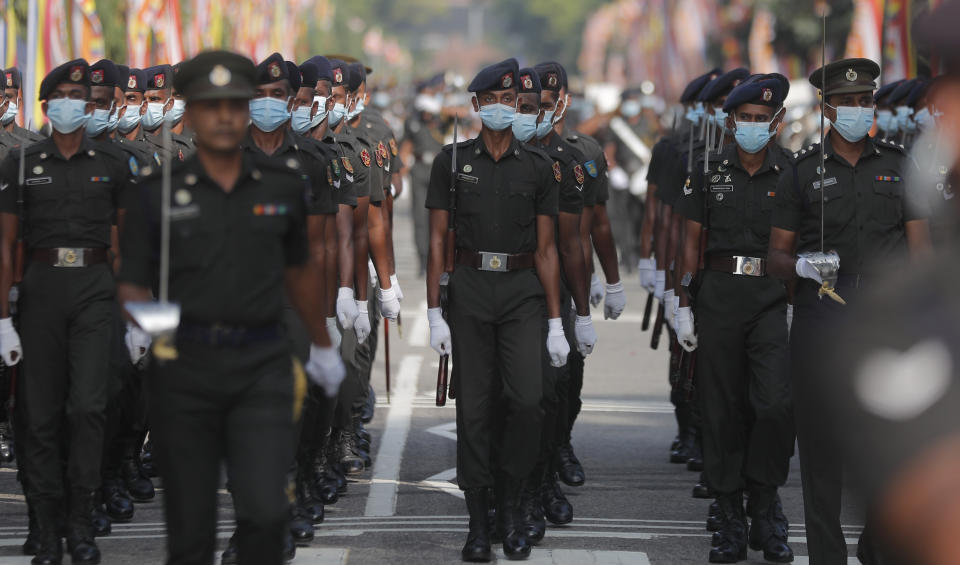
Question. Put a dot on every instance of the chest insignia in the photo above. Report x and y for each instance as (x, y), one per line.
(687, 189)
(393, 147)
(35, 181)
(727, 179)
(882, 178)
(715, 178)
(468, 168)
(467, 178)
(184, 212)
(365, 157)
(99, 179)
(269, 209)
(38, 170)
(379, 159)
(347, 165)
(719, 197)
(329, 176)
(827, 182)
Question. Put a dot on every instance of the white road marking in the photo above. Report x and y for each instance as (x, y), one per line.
(448, 430)
(804, 560)
(382, 500)
(441, 483)
(427, 400)
(321, 556)
(420, 330)
(582, 557)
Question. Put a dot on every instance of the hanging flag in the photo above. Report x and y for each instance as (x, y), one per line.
(168, 34)
(863, 41)
(8, 35)
(899, 54)
(87, 31)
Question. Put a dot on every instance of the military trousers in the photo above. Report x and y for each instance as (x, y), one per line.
(419, 182)
(744, 381)
(821, 459)
(66, 327)
(358, 359)
(496, 325)
(556, 392)
(225, 404)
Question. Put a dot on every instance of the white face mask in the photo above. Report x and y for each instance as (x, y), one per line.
(176, 112)
(154, 115)
(11, 112)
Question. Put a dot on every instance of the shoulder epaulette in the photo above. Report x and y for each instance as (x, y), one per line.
(890, 144)
(448, 148)
(284, 164)
(805, 152)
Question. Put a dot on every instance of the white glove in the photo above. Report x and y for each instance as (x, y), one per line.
(389, 303)
(586, 335)
(789, 318)
(596, 290)
(685, 335)
(659, 282)
(439, 332)
(138, 342)
(325, 368)
(668, 312)
(334, 332)
(648, 276)
(10, 348)
(361, 326)
(557, 345)
(395, 285)
(615, 301)
(806, 270)
(372, 269)
(676, 308)
(346, 307)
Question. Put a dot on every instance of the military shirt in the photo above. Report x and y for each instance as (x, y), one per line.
(865, 206)
(497, 202)
(732, 205)
(426, 139)
(349, 150)
(595, 165)
(674, 171)
(181, 145)
(572, 175)
(936, 181)
(341, 189)
(26, 135)
(392, 148)
(313, 169)
(67, 202)
(370, 161)
(228, 250)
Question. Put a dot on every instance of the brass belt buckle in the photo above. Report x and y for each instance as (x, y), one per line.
(749, 266)
(69, 257)
(493, 262)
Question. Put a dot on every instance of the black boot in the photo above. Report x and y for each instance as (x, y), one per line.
(556, 507)
(301, 520)
(714, 522)
(531, 510)
(477, 548)
(492, 516)
(324, 480)
(289, 548)
(102, 525)
(347, 452)
(6, 443)
(137, 483)
(32, 543)
(769, 527)
(116, 503)
(681, 453)
(361, 431)
(702, 490)
(147, 462)
(515, 543)
(49, 547)
(731, 541)
(695, 460)
(569, 467)
(80, 542)
(229, 555)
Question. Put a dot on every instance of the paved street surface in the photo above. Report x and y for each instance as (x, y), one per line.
(634, 509)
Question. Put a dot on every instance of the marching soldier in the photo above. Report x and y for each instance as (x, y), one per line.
(887, 124)
(134, 88)
(158, 101)
(504, 201)
(742, 331)
(71, 193)
(13, 92)
(867, 215)
(230, 386)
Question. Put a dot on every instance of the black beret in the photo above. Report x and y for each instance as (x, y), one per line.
(552, 76)
(213, 75)
(76, 71)
(338, 72)
(309, 75)
(920, 87)
(723, 84)
(12, 76)
(899, 95)
(937, 29)
(528, 82)
(123, 72)
(356, 75)
(436, 80)
(136, 81)
(347, 59)
(766, 90)
(886, 90)
(323, 70)
(104, 73)
(847, 76)
(293, 72)
(158, 77)
(272, 69)
(499, 76)
(692, 91)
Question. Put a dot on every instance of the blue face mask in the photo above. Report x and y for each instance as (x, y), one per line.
(694, 113)
(924, 118)
(130, 119)
(301, 121)
(853, 122)
(10, 114)
(67, 115)
(356, 111)
(886, 122)
(524, 126)
(153, 116)
(719, 118)
(337, 114)
(497, 117)
(546, 126)
(903, 117)
(267, 114)
(175, 114)
(753, 136)
(630, 108)
(98, 122)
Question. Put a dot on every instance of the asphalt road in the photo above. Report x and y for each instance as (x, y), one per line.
(635, 507)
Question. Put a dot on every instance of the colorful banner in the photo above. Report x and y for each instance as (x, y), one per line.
(87, 31)
(899, 54)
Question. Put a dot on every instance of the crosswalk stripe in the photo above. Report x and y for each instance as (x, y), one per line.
(582, 557)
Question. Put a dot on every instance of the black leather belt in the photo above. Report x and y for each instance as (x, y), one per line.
(497, 262)
(227, 336)
(70, 256)
(738, 265)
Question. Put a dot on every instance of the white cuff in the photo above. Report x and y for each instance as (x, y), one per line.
(615, 287)
(345, 292)
(554, 327)
(434, 315)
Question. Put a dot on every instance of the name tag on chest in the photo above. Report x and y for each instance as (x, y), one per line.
(721, 188)
(467, 178)
(37, 181)
(826, 182)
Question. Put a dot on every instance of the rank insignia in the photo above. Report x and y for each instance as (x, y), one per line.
(379, 160)
(591, 167)
(9, 80)
(365, 157)
(96, 77)
(134, 166)
(767, 95)
(578, 173)
(507, 80)
(274, 70)
(393, 147)
(335, 166)
(337, 75)
(160, 80)
(132, 81)
(347, 166)
(715, 178)
(556, 171)
(220, 76)
(76, 73)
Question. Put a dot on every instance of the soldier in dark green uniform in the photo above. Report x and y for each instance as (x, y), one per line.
(506, 264)
(71, 203)
(742, 331)
(869, 215)
(12, 91)
(133, 88)
(887, 124)
(228, 393)
(158, 101)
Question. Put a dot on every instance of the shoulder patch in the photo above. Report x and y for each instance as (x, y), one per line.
(379, 159)
(578, 174)
(134, 166)
(329, 176)
(365, 157)
(393, 146)
(347, 166)
(591, 167)
(556, 171)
